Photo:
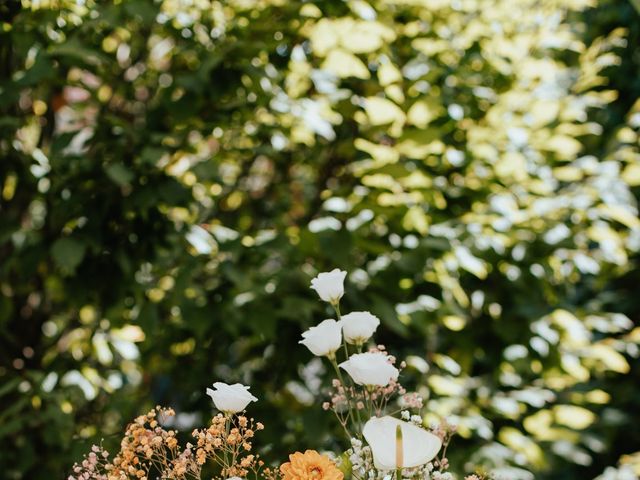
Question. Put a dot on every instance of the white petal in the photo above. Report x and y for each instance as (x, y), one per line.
(418, 445)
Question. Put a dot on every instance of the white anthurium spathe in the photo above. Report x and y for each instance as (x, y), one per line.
(324, 339)
(418, 446)
(330, 285)
(230, 398)
(371, 368)
(358, 327)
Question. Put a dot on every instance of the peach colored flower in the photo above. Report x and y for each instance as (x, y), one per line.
(310, 465)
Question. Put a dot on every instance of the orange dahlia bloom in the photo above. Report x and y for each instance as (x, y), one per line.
(310, 465)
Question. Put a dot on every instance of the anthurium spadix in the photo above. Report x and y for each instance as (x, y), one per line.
(417, 446)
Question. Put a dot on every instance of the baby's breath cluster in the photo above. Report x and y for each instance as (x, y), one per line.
(372, 400)
(149, 451)
(227, 442)
(93, 466)
(361, 460)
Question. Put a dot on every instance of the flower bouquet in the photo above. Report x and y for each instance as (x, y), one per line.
(383, 429)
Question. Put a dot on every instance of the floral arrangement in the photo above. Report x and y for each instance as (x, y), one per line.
(366, 397)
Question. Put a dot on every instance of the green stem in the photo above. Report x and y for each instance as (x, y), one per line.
(336, 307)
(370, 406)
(359, 420)
(351, 415)
(339, 374)
(357, 416)
(227, 430)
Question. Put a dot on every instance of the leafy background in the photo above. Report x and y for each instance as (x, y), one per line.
(175, 172)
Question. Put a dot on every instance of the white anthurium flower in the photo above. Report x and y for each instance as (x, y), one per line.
(358, 327)
(330, 285)
(371, 368)
(323, 339)
(230, 398)
(417, 447)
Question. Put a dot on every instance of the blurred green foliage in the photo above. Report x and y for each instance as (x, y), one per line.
(174, 172)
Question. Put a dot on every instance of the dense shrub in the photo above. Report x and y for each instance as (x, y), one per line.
(173, 173)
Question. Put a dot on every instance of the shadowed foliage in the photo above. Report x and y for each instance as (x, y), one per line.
(175, 172)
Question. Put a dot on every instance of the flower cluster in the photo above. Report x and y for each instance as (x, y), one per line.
(365, 402)
(146, 448)
(149, 451)
(382, 446)
(228, 442)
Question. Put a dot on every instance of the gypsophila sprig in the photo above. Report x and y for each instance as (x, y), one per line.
(149, 451)
(147, 448)
(227, 442)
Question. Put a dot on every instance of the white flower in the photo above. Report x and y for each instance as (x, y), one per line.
(230, 398)
(370, 369)
(323, 339)
(358, 327)
(418, 446)
(330, 285)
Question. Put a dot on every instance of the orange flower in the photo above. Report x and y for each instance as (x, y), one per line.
(310, 465)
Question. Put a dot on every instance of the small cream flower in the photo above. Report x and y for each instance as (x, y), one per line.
(230, 398)
(358, 327)
(330, 285)
(371, 368)
(323, 339)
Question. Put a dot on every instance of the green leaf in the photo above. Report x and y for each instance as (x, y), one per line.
(119, 174)
(151, 155)
(77, 52)
(6, 308)
(12, 426)
(9, 386)
(41, 69)
(68, 253)
(142, 9)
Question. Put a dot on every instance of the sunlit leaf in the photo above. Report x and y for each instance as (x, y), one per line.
(345, 64)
